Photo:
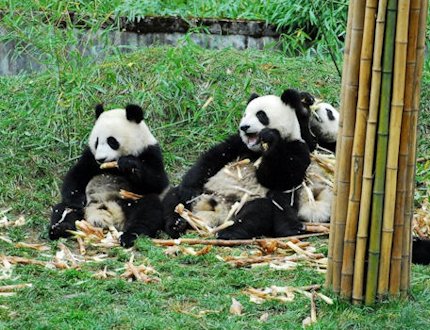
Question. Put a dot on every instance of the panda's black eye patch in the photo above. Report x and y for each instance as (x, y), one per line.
(262, 117)
(330, 114)
(96, 144)
(113, 143)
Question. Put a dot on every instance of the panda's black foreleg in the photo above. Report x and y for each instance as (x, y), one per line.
(63, 219)
(174, 225)
(253, 220)
(143, 217)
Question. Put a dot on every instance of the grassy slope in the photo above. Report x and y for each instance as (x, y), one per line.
(44, 125)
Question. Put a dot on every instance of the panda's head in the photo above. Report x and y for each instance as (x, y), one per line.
(274, 112)
(324, 121)
(119, 132)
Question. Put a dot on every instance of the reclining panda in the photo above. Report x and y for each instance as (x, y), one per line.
(93, 194)
(273, 135)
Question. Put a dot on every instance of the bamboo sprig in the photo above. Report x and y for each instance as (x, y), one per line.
(344, 154)
(406, 255)
(329, 274)
(381, 155)
(365, 200)
(397, 103)
(399, 215)
(358, 148)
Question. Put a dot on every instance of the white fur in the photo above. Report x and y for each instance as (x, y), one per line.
(132, 137)
(281, 117)
(327, 129)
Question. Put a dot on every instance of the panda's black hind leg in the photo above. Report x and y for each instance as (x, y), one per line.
(144, 217)
(253, 220)
(62, 220)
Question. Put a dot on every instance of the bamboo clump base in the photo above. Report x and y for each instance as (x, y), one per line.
(370, 237)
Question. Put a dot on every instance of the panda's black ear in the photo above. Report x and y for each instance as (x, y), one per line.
(99, 110)
(292, 98)
(307, 99)
(134, 113)
(253, 96)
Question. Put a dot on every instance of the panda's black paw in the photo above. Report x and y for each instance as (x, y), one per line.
(63, 220)
(127, 239)
(307, 99)
(269, 139)
(129, 164)
(176, 226)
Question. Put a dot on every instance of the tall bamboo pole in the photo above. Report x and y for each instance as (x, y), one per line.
(365, 204)
(329, 275)
(381, 155)
(358, 148)
(396, 112)
(344, 154)
(396, 255)
(405, 275)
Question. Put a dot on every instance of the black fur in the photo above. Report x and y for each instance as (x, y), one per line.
(421, 251)
(146, 176)
(99, 110)
(134, 113)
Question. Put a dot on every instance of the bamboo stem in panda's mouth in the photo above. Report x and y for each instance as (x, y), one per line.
(109, 165)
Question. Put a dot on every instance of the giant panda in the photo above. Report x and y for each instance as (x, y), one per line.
(270, 138)
(91, 193)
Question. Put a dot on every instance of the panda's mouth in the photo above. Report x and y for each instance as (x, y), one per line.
(252, 139)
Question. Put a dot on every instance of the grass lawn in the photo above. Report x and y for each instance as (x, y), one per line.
(44, 124)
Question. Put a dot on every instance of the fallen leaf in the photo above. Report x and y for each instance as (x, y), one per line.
(236, 307)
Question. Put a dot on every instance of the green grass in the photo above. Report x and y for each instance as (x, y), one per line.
(45, 122)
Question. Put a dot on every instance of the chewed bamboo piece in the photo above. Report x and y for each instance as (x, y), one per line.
(124, 194)
(109, 165)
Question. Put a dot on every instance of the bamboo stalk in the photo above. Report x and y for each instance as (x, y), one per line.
(381, 155)
(343, 157)
(399, 214)
(358, 149)
(365, 200)
(397, 103)
(406, 255)
(329, 275)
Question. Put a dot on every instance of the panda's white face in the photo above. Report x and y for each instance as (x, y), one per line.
(325, 121)
(268, 111)
(113, 136)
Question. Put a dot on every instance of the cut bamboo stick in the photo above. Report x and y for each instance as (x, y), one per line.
(329, 275)
(344, 154)
(397, 103)
(381, 155)
(358, 149)
(406, 255)
(396, 255)
(367, 184)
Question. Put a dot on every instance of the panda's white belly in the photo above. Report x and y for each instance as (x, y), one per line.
(235, 182)
(103, 208)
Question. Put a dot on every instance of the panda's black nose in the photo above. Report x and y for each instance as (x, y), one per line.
(244, 128)
(101, 160)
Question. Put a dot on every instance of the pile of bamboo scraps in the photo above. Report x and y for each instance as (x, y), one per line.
(88, 235)
(280, 255)
(6, 223)
(421, 220)
(286, 294)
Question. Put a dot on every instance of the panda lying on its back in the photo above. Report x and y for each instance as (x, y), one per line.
(91, 193)
(270, 137)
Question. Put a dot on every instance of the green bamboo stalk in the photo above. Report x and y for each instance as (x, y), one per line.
(397, 103)
(381, 154)
(343, 156)
(329, 275)
(358, 148)
(365, 204)
(406, 256)
(399, 215)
